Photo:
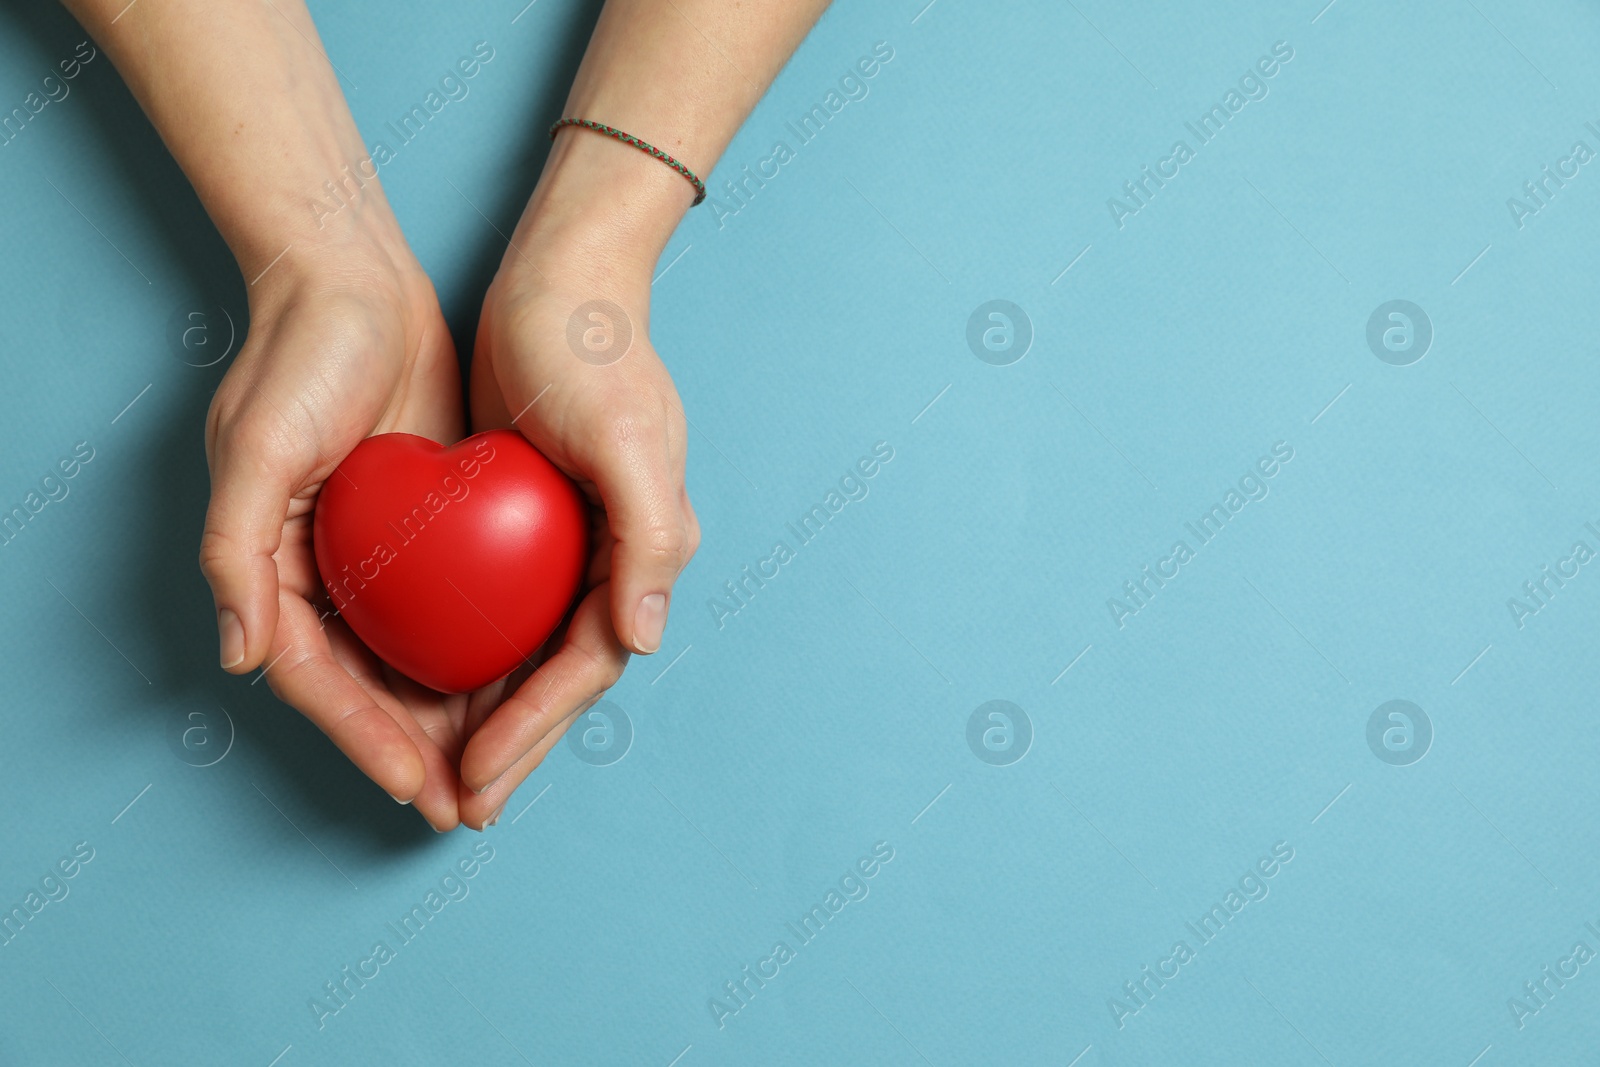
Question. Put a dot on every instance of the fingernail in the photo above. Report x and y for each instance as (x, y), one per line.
(397, 800)
(648, 622)
(231, 631)
(495, 817)
(489, 785)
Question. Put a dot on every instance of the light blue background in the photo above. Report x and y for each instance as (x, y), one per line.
(831, 713)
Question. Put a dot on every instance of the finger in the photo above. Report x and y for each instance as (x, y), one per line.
(587, 663)
(482, 810)
(482, 702)
(251, 487)
(479, 811)
(418, 712)
(433, 714)
(436, 800)
(305, 674)
(641, 491)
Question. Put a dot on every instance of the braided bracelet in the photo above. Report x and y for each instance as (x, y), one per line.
(628, 139)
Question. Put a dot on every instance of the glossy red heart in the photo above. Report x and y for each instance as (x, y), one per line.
(452, 564)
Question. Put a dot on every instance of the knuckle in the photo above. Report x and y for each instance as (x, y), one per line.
(664, 547)
(594, 671)
(253, 429)
(630, 427)
(225, 402)
(216, 553)
(285, 665)
(279, 675)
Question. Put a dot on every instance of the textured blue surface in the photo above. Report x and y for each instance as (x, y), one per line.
(1171, 749)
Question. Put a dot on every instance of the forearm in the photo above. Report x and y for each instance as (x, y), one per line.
(679, 74)
(246, 101)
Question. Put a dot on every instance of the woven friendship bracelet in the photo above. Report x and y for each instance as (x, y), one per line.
(629, 139)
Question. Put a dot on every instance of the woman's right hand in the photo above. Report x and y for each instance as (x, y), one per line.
(346, 340)
(340, 348)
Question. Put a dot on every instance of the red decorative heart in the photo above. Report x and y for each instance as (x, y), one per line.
(452, 564)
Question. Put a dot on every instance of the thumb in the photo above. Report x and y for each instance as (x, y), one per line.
(244, 524)
(643, 498)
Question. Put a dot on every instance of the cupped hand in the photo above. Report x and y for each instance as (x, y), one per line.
(336, 352)
(563, 355)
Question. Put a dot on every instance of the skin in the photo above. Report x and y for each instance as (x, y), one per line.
(347, 340)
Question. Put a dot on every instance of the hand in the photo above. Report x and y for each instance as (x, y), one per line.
(345, 340)
(340, 348)
(336, 354)
(618, 430)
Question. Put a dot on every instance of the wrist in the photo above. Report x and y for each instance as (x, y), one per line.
(602, 209)
(391, 290)
(360, 245)
(312, 225)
